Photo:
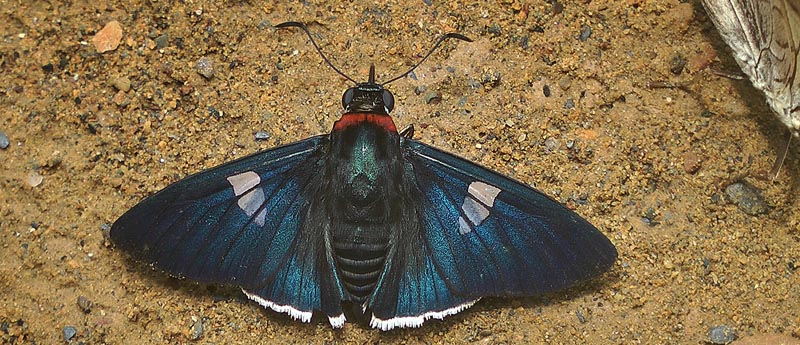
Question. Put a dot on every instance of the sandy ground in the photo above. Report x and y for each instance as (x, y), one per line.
(92, 134)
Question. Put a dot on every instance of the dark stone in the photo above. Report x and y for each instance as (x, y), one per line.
(747, 198)
(722, 335)
(69, 333)
(586, 32)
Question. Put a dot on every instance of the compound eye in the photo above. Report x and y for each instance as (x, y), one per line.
(388, 100)
(347, 98)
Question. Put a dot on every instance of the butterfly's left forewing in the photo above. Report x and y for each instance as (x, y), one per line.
(478, 233)
(248, 223)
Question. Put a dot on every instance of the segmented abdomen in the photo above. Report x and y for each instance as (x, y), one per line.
(360, 261)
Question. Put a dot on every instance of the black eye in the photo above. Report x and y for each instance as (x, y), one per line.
(347, 98)
(388, 100)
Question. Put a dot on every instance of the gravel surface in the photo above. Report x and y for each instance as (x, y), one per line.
(611, 107)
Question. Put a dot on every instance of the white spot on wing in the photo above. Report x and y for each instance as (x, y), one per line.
(474, 211)
(463, 226)
(304, 316)
(416, 321)
(251, 202)
(486, 193)
(244, 182)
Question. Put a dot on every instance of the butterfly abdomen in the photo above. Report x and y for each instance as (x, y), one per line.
(360, 255)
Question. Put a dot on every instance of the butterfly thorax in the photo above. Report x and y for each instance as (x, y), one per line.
(365, 159)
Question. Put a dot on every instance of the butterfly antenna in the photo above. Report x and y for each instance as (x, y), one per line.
(319, 50)
(776, 169)
(436, 45)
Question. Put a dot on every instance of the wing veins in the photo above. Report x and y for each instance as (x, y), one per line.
(272, 239)
(255, 214)
(190, 226)
(477, 235)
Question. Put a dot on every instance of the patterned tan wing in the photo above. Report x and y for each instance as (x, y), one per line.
(765, 38)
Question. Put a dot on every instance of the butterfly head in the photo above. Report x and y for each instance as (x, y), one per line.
(369, 97)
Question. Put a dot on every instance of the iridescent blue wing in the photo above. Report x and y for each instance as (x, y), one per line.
(478, 233)
(247, 223)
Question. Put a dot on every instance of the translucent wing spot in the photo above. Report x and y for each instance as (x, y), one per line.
(475, 211)
(244, 182)
(252, 199)
(463, 226)
(251, 202)
(486, 193)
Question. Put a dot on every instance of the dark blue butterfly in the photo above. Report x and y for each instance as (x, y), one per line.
(364, 222)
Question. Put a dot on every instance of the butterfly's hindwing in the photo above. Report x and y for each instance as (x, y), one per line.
(480, 234)
(245, 223)
(764, 36)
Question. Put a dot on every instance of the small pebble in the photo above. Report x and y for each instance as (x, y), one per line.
(546, 90)
(524, 41)
(69, 333)
(122, 84)
(85, 304)
(569, 104)
(196, 331)
(551, 144)
(205, 67)
(581, 318)
(4, 140)
(262, 135)
(105, 229)
(214, 112)
(433, 98)
(107, 39)
(677, 64)
(491, 79)
(34, 179)
(121, 99)
(649, 217)
(162, 41)
(692, 162)
(722, 335)
(565, 83)
(747, 198)
(462, 101)
(558, 7)
(586, 32)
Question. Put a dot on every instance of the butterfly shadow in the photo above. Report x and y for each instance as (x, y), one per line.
(204, 293)
(491, 315)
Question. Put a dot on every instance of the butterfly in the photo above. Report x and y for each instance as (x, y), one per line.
(363, 223)
(764, 36)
